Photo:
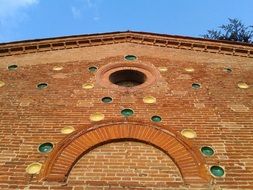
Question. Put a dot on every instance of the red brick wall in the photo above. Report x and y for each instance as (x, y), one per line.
(125, 165)
(219, 112)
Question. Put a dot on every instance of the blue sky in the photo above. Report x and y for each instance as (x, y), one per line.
(32, 19)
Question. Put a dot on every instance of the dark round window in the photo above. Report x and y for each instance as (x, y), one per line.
(42, 85)
(45, 147)
(130, 57)
(107, 99)
(156, 118)
(127, 78)
(93, 69)
(127, 112)
(196, 86)
(228, 70)
(12, 67)
(207, 151)
(217, 171)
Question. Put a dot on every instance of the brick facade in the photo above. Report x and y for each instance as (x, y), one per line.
(107, 150)
(125, 165)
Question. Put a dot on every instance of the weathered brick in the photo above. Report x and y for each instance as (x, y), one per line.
(219, 112)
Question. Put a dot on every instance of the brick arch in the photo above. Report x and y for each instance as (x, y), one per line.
(69, 150)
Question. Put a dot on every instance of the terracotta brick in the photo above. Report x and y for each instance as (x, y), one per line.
(125, 172)
(148, 155)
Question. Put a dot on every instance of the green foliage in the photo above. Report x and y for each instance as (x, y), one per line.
(235, 30)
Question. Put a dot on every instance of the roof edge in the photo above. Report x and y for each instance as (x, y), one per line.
(128, 32)
(144, 38)
(63, 37)
(193, 38)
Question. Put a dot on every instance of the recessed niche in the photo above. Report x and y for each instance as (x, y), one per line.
(127, 112)
(156, 118)
(127, 78)
(12, 67)
(189, 69)
(92, 69)
(162, 69)
(57, 68)
(243, 85)
(45, 147)
(227, 70)
(2, 84)
(149, 100)
(97, 117)
(189, 133)
(34, 168)
(67, 130)
(217, 171)
(207, 151)
(88, 86)
(130, 57)
(196, 86)
(42, 86)
(107, 99)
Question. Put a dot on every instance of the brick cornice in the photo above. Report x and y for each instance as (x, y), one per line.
(74, 146)
(168, 41)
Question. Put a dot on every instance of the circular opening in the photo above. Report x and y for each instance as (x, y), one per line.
(156, 118)
(196, 85)
(42, 85)
(12, 67)
(92, 69)
(67, 130)
(217, 171)
(97, 117)
(207, 151)
(149, 99)
(107, 99)
(130, 57)
(45, 147)
(189, 133)
(33, 168)
(127, 78)
(127, 112)
(228, 70)
(88, 86)
(243, 85)
(2, 84)
(57, 68)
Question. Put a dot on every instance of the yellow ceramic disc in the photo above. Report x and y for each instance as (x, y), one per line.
(97, 117)
(67, 130)
(34, 168)
(149, 99)
(189, 133)
(88, 86)
(162, 69)
(243, 85)
(189, 69)
(2, 83)
(57, 68)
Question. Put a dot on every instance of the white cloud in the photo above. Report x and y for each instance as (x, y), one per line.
(76, 12)
(89, 3)
(12, 13)
(10, 8)
(96, 18)
(94, 5)
(87, 9)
